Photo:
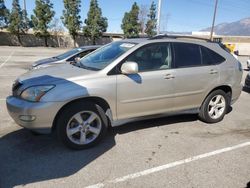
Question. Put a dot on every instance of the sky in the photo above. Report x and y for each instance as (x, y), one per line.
(176, 16)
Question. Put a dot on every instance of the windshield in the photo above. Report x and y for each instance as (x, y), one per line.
(104, 56)
(68, 53)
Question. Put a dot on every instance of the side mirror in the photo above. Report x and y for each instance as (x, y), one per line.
(77, 59)
(236, 52)
(129, 68)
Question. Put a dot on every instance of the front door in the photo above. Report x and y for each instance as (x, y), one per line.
(151, 90)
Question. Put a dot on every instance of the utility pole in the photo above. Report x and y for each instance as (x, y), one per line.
(215, 11)
(158, 17)
(24, 5)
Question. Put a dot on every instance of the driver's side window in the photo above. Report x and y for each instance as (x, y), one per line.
(152, 57)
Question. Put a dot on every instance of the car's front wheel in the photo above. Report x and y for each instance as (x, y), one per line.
(81, 125)
(214, 107)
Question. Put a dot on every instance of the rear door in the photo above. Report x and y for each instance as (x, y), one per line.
(194, 75)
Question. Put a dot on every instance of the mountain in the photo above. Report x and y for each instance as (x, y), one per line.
(238, 28)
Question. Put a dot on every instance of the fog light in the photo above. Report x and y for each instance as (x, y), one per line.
(27, 118)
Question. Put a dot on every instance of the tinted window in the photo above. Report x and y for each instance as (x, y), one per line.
(81, 55)
(152, 57)
(187, 55)
(210, 57)
(68, 54)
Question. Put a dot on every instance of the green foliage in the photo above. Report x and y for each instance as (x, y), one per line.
(4, 14)
(130, 22)
(15, 20)
(96, 24)
(25, 25)
(71, 17)
(152, 21)
(18, 19)
(43, 15)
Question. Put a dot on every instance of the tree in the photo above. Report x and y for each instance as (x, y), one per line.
(143, 17)
(57, 29)
(4, 14)
(43, 15)
(71, 17)
(152, 21)
(26, 25)
(16, 20)
(96, 24)
(130, 22)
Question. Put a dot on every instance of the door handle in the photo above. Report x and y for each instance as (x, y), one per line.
(212, 71)
(169, 76)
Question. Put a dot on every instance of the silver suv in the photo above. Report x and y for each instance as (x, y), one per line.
(123, 81)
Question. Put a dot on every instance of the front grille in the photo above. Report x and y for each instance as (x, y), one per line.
(15, 87)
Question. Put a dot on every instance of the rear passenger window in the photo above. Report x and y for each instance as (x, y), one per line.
(187, 55)
(210, 57)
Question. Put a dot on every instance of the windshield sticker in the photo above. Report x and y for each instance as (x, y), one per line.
(127, 45)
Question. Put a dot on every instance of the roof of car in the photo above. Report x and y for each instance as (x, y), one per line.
(90, 47)
(135, 40)
(170, 38)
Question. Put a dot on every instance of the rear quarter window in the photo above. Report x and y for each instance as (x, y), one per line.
(209, 57)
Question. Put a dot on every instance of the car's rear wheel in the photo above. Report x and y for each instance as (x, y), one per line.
(81, 125)
(214, 107)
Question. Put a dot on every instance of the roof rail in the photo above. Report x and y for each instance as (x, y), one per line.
(178, 36)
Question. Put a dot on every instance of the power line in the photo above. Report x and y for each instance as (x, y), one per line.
(224, 7)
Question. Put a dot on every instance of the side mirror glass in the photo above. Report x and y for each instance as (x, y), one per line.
(129, 68)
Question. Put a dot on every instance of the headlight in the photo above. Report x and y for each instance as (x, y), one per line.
(35, 93)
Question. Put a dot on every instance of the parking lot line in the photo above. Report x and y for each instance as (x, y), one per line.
(169, 165)
(7, 59)
(2, 99)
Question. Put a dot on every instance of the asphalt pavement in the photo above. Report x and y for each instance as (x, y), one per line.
(176, 151)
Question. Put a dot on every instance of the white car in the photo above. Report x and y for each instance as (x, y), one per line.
(248, 63)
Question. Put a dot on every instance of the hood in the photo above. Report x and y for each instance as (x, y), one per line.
(53, 74)
(45, 61)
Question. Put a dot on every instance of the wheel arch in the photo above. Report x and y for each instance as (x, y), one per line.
(226, 88)
(97, 100)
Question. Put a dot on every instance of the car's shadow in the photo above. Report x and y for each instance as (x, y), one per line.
(26, 158)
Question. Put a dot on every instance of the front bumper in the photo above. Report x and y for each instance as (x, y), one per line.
(42, 113)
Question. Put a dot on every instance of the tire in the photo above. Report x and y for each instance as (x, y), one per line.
(81, 125)
(208, 112)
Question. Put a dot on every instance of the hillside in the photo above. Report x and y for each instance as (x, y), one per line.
(238, 28)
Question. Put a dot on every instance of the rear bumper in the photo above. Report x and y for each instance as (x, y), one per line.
(37, 116)
(236, 91)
